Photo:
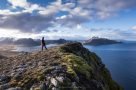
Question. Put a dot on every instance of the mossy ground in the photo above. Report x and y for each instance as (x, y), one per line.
(76, 64)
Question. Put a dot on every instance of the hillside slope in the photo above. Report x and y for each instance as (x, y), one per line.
(65, 67)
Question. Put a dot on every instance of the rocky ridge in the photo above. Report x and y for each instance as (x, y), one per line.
(66, 67)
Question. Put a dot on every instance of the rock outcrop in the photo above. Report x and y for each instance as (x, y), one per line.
(66, 67)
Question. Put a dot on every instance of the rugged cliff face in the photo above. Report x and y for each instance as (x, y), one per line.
(66, 67)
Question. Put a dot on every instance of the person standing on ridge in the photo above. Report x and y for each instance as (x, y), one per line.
(43, 44)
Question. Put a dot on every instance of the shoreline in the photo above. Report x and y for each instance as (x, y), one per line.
(8, 50)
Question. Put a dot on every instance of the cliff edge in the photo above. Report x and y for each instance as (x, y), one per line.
(66, 67)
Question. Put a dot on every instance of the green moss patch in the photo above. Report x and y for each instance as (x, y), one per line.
(76, 64)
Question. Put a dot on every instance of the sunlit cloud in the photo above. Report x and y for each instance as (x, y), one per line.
(29, 19)
(133, 28)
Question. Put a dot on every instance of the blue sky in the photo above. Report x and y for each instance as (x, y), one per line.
(69, 19)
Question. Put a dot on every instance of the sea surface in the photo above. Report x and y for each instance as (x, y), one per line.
(120, 59)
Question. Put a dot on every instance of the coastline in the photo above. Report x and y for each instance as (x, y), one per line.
(7, 50)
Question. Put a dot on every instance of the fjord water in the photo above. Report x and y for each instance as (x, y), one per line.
(120, 59)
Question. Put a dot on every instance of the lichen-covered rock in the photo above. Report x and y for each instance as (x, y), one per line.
(66, 67)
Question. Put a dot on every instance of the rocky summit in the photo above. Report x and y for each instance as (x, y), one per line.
(65, 67)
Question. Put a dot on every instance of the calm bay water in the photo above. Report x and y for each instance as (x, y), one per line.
(120, 59)
(30, 49)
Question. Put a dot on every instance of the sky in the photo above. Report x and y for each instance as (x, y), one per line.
(68, 19)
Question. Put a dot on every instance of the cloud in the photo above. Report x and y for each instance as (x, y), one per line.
(87, 10)
(33, 18)
(19, 3)
(8, 33)
(133, 28)
(113, 33)
(103, 9)
(25, 22)
(76, 16)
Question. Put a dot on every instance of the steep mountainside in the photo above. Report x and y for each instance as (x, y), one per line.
(66, 67)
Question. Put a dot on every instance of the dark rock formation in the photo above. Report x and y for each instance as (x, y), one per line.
(66, 67)
(100, 41)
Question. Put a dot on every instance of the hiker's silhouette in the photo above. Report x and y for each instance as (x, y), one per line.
(43, 44)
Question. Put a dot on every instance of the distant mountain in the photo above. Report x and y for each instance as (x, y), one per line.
(6, 41)
(37, 42)
(30, 41)
(100, 41)
(26, 42)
